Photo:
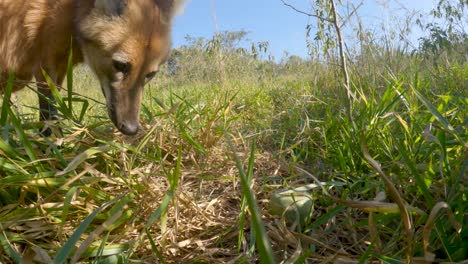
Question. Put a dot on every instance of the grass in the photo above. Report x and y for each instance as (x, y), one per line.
(196, 184)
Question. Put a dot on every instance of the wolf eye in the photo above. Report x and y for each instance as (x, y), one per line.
(121, 66)
(150, 75)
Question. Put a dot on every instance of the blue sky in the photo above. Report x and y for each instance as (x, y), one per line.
(270, 20)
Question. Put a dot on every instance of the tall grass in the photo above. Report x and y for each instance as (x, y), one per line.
(389, 185)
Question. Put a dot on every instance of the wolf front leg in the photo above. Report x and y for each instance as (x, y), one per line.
(47, 109)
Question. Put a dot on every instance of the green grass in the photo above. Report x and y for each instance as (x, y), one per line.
(195, 185)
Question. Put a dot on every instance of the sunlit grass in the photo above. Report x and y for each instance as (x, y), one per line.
(179, 191)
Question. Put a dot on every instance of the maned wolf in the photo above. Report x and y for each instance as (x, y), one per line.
(123, 41)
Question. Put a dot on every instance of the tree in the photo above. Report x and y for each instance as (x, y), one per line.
(447, 31)
(329, 32)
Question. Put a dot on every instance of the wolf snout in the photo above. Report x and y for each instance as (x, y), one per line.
(128, 128)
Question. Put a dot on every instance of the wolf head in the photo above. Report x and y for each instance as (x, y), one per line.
(125, 42)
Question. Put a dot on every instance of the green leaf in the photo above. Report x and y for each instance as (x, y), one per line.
(8, 249)
(82, 157)
(438, 116)
(161, 209)
(69, 246)
(263, 243)
(6, 100)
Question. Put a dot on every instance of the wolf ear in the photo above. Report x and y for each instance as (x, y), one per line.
(112, 7)
(170, 7)
(178, 7)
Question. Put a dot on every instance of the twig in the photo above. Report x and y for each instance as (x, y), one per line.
(305, 13)
(395, 195)
(344, 66)
(355, 9)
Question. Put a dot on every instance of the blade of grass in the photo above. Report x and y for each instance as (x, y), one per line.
(80, 158)
(61, 106)
(6, 100)
(244, 202)
(100, 250)
(9, 151)
(22, 137)
(431, 221)
(84, 108)
(154, 247)
(175, 175)
(438, 116)
(326, 217)
(69, 246)
(8, 249)
(161, 209)
(263, 243)
(70, 79)
(393, 192)
(417, 176)
(66, 207)
(190, 139)
(104, 226)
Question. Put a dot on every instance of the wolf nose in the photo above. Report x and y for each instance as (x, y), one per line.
(128, 129)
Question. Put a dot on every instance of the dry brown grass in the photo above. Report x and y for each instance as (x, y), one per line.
(203, 221)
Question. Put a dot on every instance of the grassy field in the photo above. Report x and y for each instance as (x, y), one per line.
(242, 160)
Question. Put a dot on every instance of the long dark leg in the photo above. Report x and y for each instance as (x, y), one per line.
(47, 110)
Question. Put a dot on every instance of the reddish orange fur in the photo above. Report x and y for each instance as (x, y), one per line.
(38, 34)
